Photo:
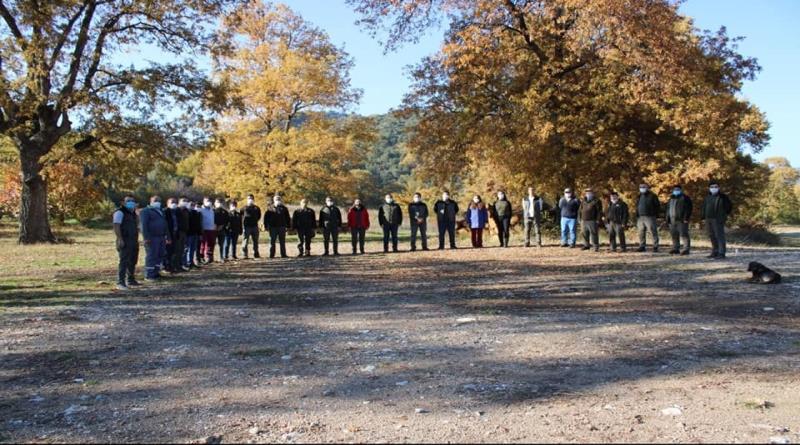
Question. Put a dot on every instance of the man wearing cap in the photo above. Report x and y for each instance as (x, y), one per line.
(617, 221)
(679, 212)
(569, 206)
(647, 210)
(591, 212)
(715, 211)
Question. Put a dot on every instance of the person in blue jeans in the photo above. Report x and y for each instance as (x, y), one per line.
(569, 206)
(156, 236)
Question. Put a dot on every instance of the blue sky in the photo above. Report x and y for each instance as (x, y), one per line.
(770, 27)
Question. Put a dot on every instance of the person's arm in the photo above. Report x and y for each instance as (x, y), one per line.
(728, 205)
(689, 211)
(703, 209)
(400, 210)
(381, 217)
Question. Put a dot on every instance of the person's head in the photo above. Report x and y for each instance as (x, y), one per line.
(445, 195)
(328, 201)
(388, 198)
(476, 199)
(129, 202)
(218, 203)
(206, 202)
(417, 197)
(614, 197)
(677, 190)
(155, 202)
(501, 195)
(589, 193)
(234, 204)
(172, 203)
(643, 188)
(568, 193)
(530, 191)
(304, 203)
(713, 187)
(183, 202)
(357, 202)
(251, 200)
(277, 200)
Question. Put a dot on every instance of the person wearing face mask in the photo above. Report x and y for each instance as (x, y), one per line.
(330, 220)
(179, 252)
(251, 216)
(568, 207)
(126, 229)
(715, 211)
(221, 218)
(304, 221)
(358, 223)
(233, 231)
(476, 216)
(155, 234)
(591, 213)
(533, 208)
(502, 213)
(193, 235)
(418, 214)
(679, 213)
(390, 217)
(277, 220)
(177, 237)
(446, 212)
(209, 232)
(647, 209)
(617, 221)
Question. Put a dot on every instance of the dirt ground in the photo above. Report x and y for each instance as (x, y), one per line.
(491, 345)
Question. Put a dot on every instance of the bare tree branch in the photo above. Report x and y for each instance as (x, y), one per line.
(65, 35)
(12, 25)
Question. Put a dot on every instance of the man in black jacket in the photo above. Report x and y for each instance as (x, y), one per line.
(617, 219)
(715, 211)
(446, 212)
(390, 217)
(221, 218)
(176, 236)
(251, 216)
(195, 233)
(591, 213)
(648, 208)
(418, 214)
(502, 215)
(276, 221)
(330, 220)
(679, 213)
(233, 231)
(304, 221)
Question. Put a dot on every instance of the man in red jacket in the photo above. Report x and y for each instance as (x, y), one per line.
(358, 222)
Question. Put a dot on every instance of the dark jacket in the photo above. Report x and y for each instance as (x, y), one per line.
(154, 224)
(330, 217)
(591, 210)
(446, 211)
(129, 228)
(502, 209)
(648, 205)
(304, 220)
(277, 217)
(358, 218)
(679, 209)
(716, 207)
(539, 207)
(569, 207)
(390, 214)
(251, 215)
(417, 211)
(172, 221)
(235, 226)
(617, 213)
(221, 218)
(195, 223)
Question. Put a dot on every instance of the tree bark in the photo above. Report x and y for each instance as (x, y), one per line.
(34, 221)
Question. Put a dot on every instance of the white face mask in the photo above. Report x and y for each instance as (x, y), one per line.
(614, 200)
(445, 197)
(183, 204)
(568, 195)
(476, 200)
(173, 206)
(389, 200)
(218, 205)
(233, 207)
(417, 199)
(249, 202)
(357, 204)
(329, 203)
(642, 190)
(590, 196)
(501, 196)
(206, 203)
(714, 190)
(277, 202)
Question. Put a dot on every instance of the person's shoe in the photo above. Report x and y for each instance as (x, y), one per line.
(565, 245)
(674, 252)
(121, 286)
(612, 250)
(655, 249)
(721, 256)
(325, 254)
(133, 283)
(185, 269)
(713, 255)
(641, 249)
(362, 252)
(355, 253)
(685, 252)
(539, 245)
(256, 256)
(413, 249)
(572, 246)
(596, 249)
(235, 257)
(151, 279)
(425, 249)
(585, 248)
(335, 253)
(395, 250)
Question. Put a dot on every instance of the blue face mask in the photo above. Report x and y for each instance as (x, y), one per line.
(130, 205)
(156, 205)
(676, 193)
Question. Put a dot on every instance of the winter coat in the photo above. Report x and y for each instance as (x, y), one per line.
(390, 214)
(330, 217)
(251, 215)
(277, 217)
(569, 207)
(477, 216)
(648, 205)
(617, 213)
(358, 218)
(591, 210)
(446, 211)
(304, 219)
(716, 207)
(502, 209)
(208, 219)
(221, 218)
(417, 212)
(154, 224)
(195, 223)
(538, 208)
(679, 209)
(235, 219)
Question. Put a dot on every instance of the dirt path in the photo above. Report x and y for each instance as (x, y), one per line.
(498, 345)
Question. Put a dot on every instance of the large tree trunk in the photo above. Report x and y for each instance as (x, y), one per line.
(34, 222)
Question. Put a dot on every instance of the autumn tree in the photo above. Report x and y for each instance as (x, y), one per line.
(284, 76)
(780, 202)
(555, 93)
(60, 69)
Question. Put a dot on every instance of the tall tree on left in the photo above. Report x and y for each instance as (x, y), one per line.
(60, 68)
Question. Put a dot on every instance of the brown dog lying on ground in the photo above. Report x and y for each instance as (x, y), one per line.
(763, 274)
